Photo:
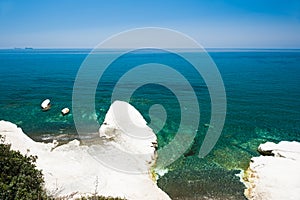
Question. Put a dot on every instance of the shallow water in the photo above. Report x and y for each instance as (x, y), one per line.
(263, 95)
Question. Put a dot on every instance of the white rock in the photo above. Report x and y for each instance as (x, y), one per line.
(46, 104)
(65, 111)
(274, 177)
(282, 149)
(127, 126)
(55, 143)
(72, 167)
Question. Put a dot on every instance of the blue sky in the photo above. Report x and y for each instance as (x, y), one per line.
(213, 23)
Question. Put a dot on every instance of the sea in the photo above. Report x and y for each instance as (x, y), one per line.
(263, 104)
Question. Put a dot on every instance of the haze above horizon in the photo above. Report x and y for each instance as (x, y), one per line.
(213, 24)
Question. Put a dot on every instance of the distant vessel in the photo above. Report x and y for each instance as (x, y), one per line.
(28, 48)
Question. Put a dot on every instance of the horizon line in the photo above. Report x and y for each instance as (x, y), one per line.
(89, 48)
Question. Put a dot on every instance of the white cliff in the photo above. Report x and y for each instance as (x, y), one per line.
(275, 174)
(119, 165)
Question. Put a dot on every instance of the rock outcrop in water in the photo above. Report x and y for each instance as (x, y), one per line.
(65, 111)
(275, 174)
(138, 138)
(46, 105)
(73, 169)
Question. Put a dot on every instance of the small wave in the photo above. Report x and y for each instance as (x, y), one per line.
(161, 172)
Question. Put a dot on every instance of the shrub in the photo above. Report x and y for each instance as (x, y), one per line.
(19, 179)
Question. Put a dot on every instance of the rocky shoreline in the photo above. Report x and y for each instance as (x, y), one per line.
(72, 170)
(275, 174)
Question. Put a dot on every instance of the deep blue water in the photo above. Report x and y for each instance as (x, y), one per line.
(263, 96)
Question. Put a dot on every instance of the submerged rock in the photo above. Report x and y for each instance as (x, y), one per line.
(274, 177)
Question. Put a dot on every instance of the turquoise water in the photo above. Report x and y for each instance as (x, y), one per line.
(263, 94)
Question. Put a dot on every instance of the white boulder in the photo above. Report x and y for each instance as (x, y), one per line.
(65, 111)
(46, 105)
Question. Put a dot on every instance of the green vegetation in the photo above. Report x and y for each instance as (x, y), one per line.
(19, 179)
